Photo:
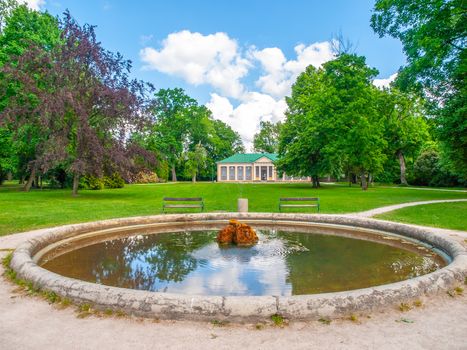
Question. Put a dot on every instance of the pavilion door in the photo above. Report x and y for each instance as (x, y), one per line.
(264, 173)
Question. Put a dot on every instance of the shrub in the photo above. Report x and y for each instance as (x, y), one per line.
(429, 170)
(145, 177)
(89, 182)
(114, 181)
(162, 171)
(426, 167)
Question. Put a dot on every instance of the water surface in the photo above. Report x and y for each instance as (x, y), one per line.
(282, 263)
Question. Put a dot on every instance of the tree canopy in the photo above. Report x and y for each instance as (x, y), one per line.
(80, 98)
(434, 36)
(332, 124)
(267, 139)
(180, 128)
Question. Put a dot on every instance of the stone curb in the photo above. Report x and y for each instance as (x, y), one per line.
(243, 308)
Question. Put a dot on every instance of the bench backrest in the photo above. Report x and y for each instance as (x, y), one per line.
(178, 199)
(299, 199)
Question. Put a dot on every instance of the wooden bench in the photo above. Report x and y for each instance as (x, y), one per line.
(306, 202)
(166, 203)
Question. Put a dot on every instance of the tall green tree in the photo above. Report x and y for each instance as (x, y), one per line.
(405, 125)
(179, 126)
(303, 135)
(434, 36)
(267, 139)
(332, 125)
(22, 29)
(172, 109)
(195, 161)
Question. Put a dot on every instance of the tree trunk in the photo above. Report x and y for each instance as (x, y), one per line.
(315, 181)
(193, 178)
(400, 155)
(32, 176)
(174, 174)
(364, 183)
(75, 184)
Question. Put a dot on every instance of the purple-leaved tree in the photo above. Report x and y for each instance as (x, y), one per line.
(81, 98)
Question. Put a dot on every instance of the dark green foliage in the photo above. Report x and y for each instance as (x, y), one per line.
(390, 173)
(23, 28)
(429, 170)
(405, 129)
(434, 37)
(426, 167)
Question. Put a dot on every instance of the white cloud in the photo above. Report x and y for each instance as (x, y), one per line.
(200, 59)
(275, 84)
(33, 4)
(217, 60)
(280, 73)
(245, 118)
(380, 83)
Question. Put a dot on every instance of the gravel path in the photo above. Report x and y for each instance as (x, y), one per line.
(426, 189)
(31, 323)
(381, 210)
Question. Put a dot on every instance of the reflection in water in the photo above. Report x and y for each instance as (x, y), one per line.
(282, 263)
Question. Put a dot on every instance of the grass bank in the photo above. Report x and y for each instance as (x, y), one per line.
(444, 215)
(20, 211)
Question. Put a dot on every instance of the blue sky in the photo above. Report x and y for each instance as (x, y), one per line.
(237, 57)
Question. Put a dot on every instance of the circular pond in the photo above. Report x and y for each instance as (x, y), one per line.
(291, 261)
(303, 267)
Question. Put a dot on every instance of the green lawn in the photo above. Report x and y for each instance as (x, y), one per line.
(445, 215)
(21, 211)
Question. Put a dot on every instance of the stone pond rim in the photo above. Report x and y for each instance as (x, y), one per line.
(240, 308)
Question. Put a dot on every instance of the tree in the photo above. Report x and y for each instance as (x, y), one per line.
(303, 138)
(24, 28)
(332, 124)
(195, 160)
(81, 95)
(6, 6)
(8, 163)
(172, 108)
(225, 141)
(179, 125)
(406, 129)
(433, 34)
(267, 139)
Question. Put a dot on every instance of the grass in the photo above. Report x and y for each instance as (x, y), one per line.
(444, 215)
(22, 211)
(325, 320)
(278, 320)
(404, 307)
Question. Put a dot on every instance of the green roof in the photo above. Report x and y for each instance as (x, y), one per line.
(248, 157)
